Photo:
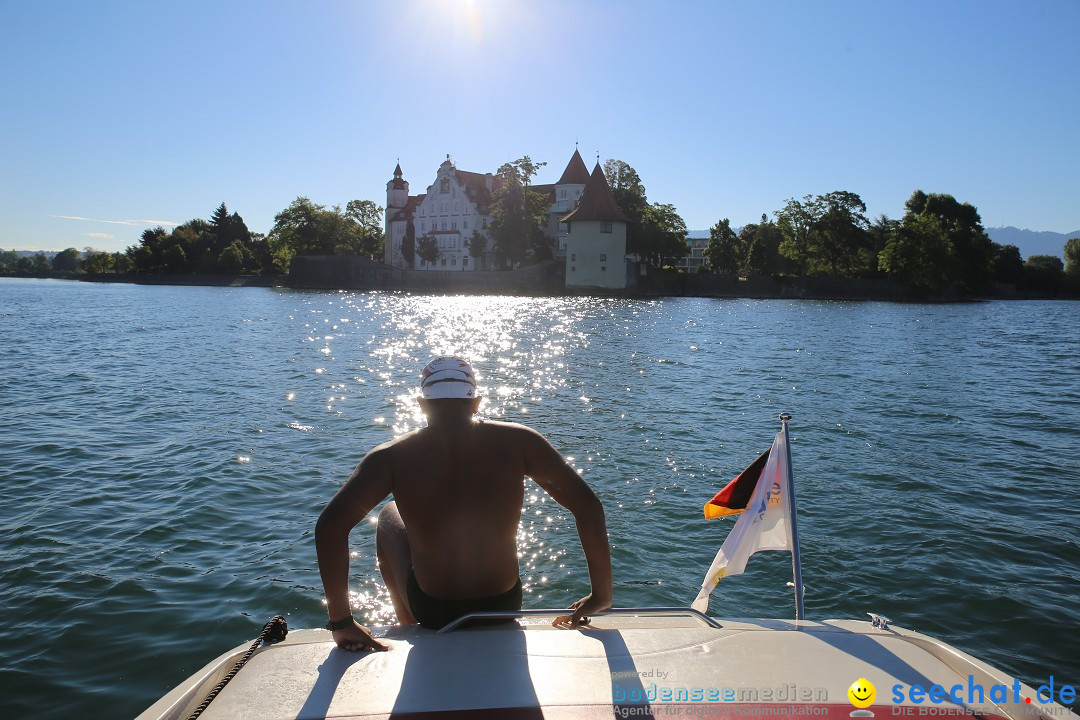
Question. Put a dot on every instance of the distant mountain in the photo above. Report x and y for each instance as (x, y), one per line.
(1032, 242)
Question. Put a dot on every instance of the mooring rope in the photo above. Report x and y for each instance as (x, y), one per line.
(274, 630)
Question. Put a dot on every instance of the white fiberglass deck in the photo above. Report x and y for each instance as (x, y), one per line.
(620, 667)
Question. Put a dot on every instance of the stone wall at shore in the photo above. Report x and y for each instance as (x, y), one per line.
(355, 273)
(823, 288)
(327, 272)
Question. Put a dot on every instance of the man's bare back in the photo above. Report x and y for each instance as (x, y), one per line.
(459, 492)
(451, 532)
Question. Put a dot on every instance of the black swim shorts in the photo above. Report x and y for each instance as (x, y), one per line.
(434, 613)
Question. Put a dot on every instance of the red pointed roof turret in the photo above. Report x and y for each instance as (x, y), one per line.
(398, 183)
(597, 202)
(575, 173)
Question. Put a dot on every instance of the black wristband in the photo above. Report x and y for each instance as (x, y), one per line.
(340, 624)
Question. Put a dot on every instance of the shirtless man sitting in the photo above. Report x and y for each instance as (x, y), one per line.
(447, 544)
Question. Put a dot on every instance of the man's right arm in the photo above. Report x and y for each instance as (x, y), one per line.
(550, 471)
(369, 484)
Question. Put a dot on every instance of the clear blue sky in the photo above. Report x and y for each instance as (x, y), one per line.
(130, 114)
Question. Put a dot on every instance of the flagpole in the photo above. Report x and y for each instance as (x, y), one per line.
(796, 561)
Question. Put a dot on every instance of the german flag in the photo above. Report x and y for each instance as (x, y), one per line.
(736, 494)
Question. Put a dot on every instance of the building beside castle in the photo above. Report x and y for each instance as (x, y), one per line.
(583, 221)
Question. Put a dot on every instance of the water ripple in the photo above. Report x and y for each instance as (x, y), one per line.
(933, 446)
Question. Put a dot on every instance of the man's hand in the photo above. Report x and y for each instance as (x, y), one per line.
(588, 605)
(357, 639)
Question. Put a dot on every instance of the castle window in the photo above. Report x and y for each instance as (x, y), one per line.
(573, 256)
(453, 225)
(605, 227)
(453, 261)
(573, 269)
(444, 262)
(603, 257)
(444, 186)
(465, 261)
(603, 268)
(465, 224)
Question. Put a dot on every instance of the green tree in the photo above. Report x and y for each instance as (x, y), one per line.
(427, 248)
(408, 244)
(9, 261)
(919, 254)
(798, 222)
(662, 235)
(840, 243)
(724, 252)
(517, 214)
(121, 263)
(97, 262)
(220, 236)
(146, 257)
(879, 232)
(174, 259)
(761, 245)
(66, 261)
(524, 168)
(477, 246)
(1007, 265)
(231, 259)
(1044, 273)
(655, 232)
(366, 231)
(195, 239)
(629, 194)
(972, 248)
(1072, 256)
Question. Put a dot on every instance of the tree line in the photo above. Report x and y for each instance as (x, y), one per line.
(223, 245)
(938, 243)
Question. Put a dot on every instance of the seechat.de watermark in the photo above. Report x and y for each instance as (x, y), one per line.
(974, 692)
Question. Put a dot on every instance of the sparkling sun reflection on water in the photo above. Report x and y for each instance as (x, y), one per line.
(514, 377)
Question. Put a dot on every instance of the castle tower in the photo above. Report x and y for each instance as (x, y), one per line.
(596, 238)
(397, 197)
(397, 190)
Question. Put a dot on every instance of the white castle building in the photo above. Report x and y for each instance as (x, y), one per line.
(457, 203)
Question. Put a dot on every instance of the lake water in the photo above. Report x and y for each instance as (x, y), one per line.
(165, 451)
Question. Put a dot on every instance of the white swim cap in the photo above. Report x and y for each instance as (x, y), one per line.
(448, 377)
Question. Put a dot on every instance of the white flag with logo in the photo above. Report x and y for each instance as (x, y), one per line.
(764, 525)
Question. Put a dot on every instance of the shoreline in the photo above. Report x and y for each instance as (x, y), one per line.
(663, 285)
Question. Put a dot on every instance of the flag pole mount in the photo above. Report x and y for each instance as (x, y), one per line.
(796, 561)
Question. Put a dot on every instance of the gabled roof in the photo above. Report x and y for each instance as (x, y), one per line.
(410, 207)
(597, 202)
(476, 185)
(575, 173)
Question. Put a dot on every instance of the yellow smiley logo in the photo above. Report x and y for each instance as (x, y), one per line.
(862, 693)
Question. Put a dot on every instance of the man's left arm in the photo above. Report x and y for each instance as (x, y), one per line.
(549, 470)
